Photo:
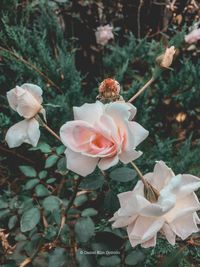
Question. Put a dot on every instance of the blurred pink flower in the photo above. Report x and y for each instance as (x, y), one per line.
(26, 100)
(104, 34)
(101, 135)
(193, 36)
(173, 214)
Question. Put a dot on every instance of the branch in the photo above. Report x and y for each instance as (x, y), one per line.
(30, 65)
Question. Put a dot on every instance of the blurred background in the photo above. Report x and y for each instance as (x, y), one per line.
(68, 48)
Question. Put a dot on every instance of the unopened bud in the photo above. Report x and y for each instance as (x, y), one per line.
(109, 91)
(165, 60)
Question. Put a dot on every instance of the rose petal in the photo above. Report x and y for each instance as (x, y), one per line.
(128, 156)
(27, 105)
(144, 229)
(35, 91)
(160, 175)
(89, 112)
(189, 183)
(169, 234)
(76, 135)
(150, 243)
(33, 132)
(184, 226)
(80, 164)
(138, 133)
(26, 131)
(184, 206)
(107, 162)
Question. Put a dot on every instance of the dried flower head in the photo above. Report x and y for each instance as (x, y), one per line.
(109, 91)
(165, 60)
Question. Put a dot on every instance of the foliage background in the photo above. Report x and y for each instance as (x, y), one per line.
(52, 44)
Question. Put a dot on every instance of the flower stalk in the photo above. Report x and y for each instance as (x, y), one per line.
(141, 90)
(150, 192)
(43, 124)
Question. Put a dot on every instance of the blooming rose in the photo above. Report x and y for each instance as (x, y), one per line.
(101, 135)
(173, 214)
(26, 100)
(193, 36)
(104, 34)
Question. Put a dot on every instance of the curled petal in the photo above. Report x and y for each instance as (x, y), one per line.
(35, 91)
(26, 131)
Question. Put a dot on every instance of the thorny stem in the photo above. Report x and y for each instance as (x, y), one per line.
(142, 90)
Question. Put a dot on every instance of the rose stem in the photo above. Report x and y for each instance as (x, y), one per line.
(51, 131)
(139, 174)
(142, 89)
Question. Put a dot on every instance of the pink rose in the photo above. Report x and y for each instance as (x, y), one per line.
(26, 100)
(193, 36)
(173, 214)
(104, 34)
(101, 135)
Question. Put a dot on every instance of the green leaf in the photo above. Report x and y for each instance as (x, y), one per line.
(84, 260)
(80, 200)
(43, 174)
(29, 219)
(84, 229)
(4, 213)
(3, 204)
(134, 257)
(111, 201)
(60, 149)
(123, 174)
(93, 181)
(43, 147)
(50, 232)
(51, 203)
(58, 258)
(12, 222)
(89, 212)
(109, 261)
(51, 180)
(50, 161)
(31, 183)
(41, 191)
(61, 166)
(28, 171)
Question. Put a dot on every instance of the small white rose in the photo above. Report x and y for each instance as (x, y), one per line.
(26, 100)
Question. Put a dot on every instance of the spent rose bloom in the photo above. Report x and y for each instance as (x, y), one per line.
(26, 101)
(167, 58)
(193, 36)
(104, 34)
(101, 135)
(173, 214)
